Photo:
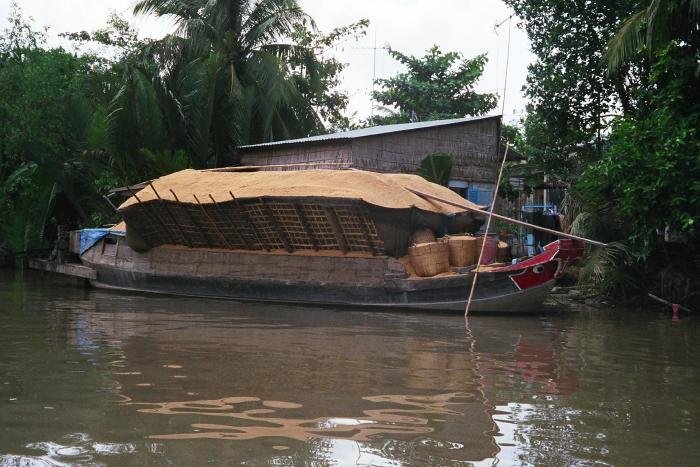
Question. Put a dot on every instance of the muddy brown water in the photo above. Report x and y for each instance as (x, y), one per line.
(90, 377)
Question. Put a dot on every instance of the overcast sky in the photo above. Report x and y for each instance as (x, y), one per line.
(410, 26)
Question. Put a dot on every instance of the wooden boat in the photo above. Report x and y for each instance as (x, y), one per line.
(318, 237)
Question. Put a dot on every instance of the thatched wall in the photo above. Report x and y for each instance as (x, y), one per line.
(473, 144)
(335, 152)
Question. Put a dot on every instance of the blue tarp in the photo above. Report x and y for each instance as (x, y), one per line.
(88, 237)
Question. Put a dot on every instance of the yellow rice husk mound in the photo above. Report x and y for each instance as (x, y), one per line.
(120, 226)
(384, 190)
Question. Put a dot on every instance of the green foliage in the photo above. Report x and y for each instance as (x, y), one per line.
(29, 198)
(569, 90)
(652, 169)
(436, 86)
(156, 163)
(123, 109)
(609, 271)
(249, 56)
(437, 168)
(506, 190)
(47, 124)
(652, 28)
(321, 87)
(634, 177)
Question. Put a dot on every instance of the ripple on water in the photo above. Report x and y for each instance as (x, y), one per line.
(76, 449)
(337, 386)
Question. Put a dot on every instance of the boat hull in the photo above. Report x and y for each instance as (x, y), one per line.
(319, 279)
(364, 280)
(526, 301)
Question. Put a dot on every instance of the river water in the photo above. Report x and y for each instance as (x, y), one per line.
(91, 377)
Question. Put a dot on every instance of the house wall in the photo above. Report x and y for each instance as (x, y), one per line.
(301, 154)
(474, 146)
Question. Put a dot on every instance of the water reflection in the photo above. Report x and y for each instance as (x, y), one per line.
(256, 422)
(79, 448)
(113, 379)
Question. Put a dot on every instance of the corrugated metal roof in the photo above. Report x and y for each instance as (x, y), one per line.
(371, 131)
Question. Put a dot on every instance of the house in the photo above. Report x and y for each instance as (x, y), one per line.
(400, 148)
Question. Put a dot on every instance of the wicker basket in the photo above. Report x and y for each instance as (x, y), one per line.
(479, 242)
(430, 259)
(422, 236)
(463, 251)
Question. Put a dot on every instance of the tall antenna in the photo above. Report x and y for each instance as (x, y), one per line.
(505, 80)
(374, 76)
(374, 69)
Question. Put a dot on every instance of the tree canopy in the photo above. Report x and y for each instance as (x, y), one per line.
(615, 110)
(122, 109)
(571, 95)
(436, 86)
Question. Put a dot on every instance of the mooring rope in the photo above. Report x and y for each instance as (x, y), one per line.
(486, 232)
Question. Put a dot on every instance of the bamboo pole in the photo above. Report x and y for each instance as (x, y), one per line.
(154, 213)
(305, 224)
(172, 217)
(666, 302)
(504, 218)
(332, 218)
(238, 168)
(223, 212)
(486, 231)
(258, 237)
(280, 231)
(196, 226)
(211, 221)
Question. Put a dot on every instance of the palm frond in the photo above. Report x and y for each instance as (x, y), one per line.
(628, 41)
(180, 9)
(694, 11)
(581, 225)
(437, 168)
(607, 270)
(271, 20)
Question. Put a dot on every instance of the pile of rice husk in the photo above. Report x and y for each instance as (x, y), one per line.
(429, 259)
(121, 226)
(384, 190)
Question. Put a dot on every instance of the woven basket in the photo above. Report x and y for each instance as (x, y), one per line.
(479, 242)
(463, 251)
(422, 236)
(430, 259)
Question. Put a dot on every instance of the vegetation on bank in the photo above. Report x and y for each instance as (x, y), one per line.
(122, 109)
(615, 113)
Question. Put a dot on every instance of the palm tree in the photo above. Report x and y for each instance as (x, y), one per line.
(652, 28)
(240, 52)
